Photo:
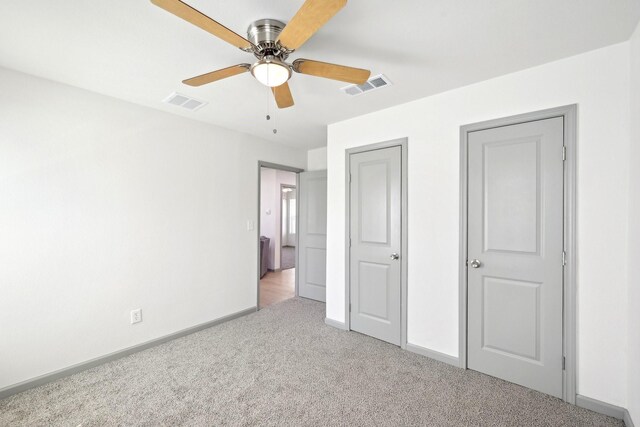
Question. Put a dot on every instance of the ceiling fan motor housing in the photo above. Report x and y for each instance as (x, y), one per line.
(263, 33)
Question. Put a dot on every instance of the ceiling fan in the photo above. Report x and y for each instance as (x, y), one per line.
(271, 42)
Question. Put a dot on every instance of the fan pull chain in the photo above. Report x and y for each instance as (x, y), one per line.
(268, 106)
(274, 126)
(267, 99)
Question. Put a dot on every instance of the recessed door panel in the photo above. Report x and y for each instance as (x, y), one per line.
(316, 207)
(511, 190)
(505, 300)
(375, 227)
(515, 243)
(315, 273)
(374, 301)
(374, 201)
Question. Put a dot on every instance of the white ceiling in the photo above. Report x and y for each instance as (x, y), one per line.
(132, 50)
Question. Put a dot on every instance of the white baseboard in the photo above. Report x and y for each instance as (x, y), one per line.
(436, 355)
(335, 324)
(432, 354)
(83, 366)
(602, 407)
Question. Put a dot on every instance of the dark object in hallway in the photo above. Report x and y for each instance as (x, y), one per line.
(264, 255)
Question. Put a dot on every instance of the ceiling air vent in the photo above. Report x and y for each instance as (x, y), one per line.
(184, 101)
(375, 82)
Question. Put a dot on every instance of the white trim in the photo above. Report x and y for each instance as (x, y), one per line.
(335, 324)
(600, 407)
(432, 354)
(627, 419)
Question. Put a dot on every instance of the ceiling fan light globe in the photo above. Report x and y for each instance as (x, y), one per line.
(271, 73)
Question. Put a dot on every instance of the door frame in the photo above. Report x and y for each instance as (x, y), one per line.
(269, 165)
(569, 115)
(295, 187)
(403, 144)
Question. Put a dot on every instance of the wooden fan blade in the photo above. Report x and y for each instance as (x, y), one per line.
(310, 18)
(283, 96)
(331, 71)
(217, 75)
(199, 19)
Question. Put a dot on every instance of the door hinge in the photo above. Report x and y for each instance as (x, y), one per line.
(349, 307)
(564, 258)
(349, 178)
(564, 363)
(564, 152)
(349, 241)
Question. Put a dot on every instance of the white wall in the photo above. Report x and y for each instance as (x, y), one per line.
(634, 234)
(317, 159)
(599, 82)
(106, 206)
(271, 201)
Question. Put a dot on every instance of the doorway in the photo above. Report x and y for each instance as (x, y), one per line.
(277, 233)
(376, 241)
(517, 259)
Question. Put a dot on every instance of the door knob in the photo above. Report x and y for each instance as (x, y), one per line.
(475, 263)
(394, 256)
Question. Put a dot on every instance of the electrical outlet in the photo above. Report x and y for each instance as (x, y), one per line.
(136, 315)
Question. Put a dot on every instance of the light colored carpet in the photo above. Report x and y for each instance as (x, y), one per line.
(284, 366)
(288, 257)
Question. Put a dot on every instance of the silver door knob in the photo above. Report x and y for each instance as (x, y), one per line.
(475, 263)
(394, 256)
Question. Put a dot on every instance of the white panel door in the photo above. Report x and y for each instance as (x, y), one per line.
(375, 232)
(515, 244)
(312, 241)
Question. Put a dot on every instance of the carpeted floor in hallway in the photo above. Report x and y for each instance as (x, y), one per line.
(284, 366)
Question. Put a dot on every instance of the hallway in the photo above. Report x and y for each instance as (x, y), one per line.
(277, 286)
